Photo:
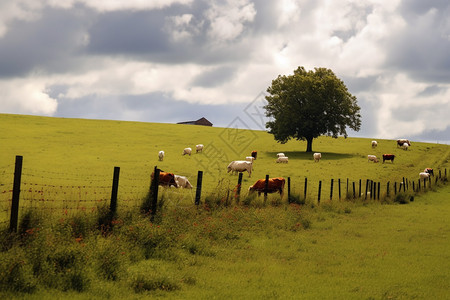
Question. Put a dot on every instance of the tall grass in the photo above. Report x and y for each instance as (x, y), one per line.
(225, 248)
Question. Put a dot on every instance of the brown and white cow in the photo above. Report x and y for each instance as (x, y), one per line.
(274, 185)
(166, 179)
(429, 171)
(388, 157)
(400, 142)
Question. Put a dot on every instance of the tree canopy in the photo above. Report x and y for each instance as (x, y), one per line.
(308, 104)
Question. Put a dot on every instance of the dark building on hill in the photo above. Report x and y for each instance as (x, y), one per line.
(202, 121)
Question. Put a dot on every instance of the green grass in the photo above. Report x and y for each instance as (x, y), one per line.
(338, 249)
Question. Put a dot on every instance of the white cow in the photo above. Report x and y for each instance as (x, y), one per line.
(405, 146)
(187, 151)
(240, 166)
(199, 148)
(280, 155)
(183, 182)
(374, 144)
(317, 156)
(282, 159)
(249, 158)
(161, 155)
(424, 175)
(372, 158)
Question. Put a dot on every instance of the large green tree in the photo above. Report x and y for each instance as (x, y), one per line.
(308, 104)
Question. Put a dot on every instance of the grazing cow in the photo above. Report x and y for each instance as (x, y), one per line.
(372, 158)
(183, 182)
(254, 154)
(280, 154)
(374, 144)
(424, 175)
(161, 155)
(405, 146)
(400, 142)
(249, 158)
(165, 179)
(240, 166)
(187, 151)
(282, 159)
(429, 171)
(317, 156)
(198, 148)
(274, 185)
(388, 157)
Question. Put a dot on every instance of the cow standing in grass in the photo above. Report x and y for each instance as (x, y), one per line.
(187, 151)
(165, 179)
(240, 166)
(198, 148)
(273, 185)
(388, 157)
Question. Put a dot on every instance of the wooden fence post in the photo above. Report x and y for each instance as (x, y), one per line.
(320, 188)
(367, 186)
(404, 185)
(331, 190)
(289, 189)
(359, 192)
(339, 184)
(114, 191)
(238, 190)
(371, 189)
(154, 194)
(439, 174)
(395, 188)
(306, 186)
(419, 185)
(387, 189)
(374, 190)
(413, 187)
(266, 187)
(354, 190)
(347, 188)
(198, 192)
(16, 193)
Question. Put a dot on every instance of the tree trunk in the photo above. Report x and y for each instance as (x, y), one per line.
(309, 141)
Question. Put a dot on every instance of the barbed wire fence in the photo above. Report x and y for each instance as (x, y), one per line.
(66, 193)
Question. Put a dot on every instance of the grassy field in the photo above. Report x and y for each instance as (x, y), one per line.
(338, 249)
(74, 152)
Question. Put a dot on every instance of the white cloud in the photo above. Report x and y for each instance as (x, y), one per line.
(26, 96)
(228, 20)
(351, 37)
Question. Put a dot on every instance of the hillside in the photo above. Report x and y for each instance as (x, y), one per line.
(79, 150)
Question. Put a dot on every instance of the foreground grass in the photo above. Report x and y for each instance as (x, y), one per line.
(342, 250)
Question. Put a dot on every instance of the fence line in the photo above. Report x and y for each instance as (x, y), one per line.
(47, 197)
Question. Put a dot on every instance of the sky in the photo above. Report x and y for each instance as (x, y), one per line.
(180, 60)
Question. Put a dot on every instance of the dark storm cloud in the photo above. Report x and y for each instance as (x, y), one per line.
(147, 35)
(129, 32)
(422, 47)
(51, 43)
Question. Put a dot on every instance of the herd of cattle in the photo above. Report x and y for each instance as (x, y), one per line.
(404, 144)
(273, 184)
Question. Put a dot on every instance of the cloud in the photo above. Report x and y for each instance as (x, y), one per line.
(104, 59)
(27, 97)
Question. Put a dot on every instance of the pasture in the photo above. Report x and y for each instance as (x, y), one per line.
(338, 249)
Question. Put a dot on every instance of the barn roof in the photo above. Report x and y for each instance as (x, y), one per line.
(202, 121)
